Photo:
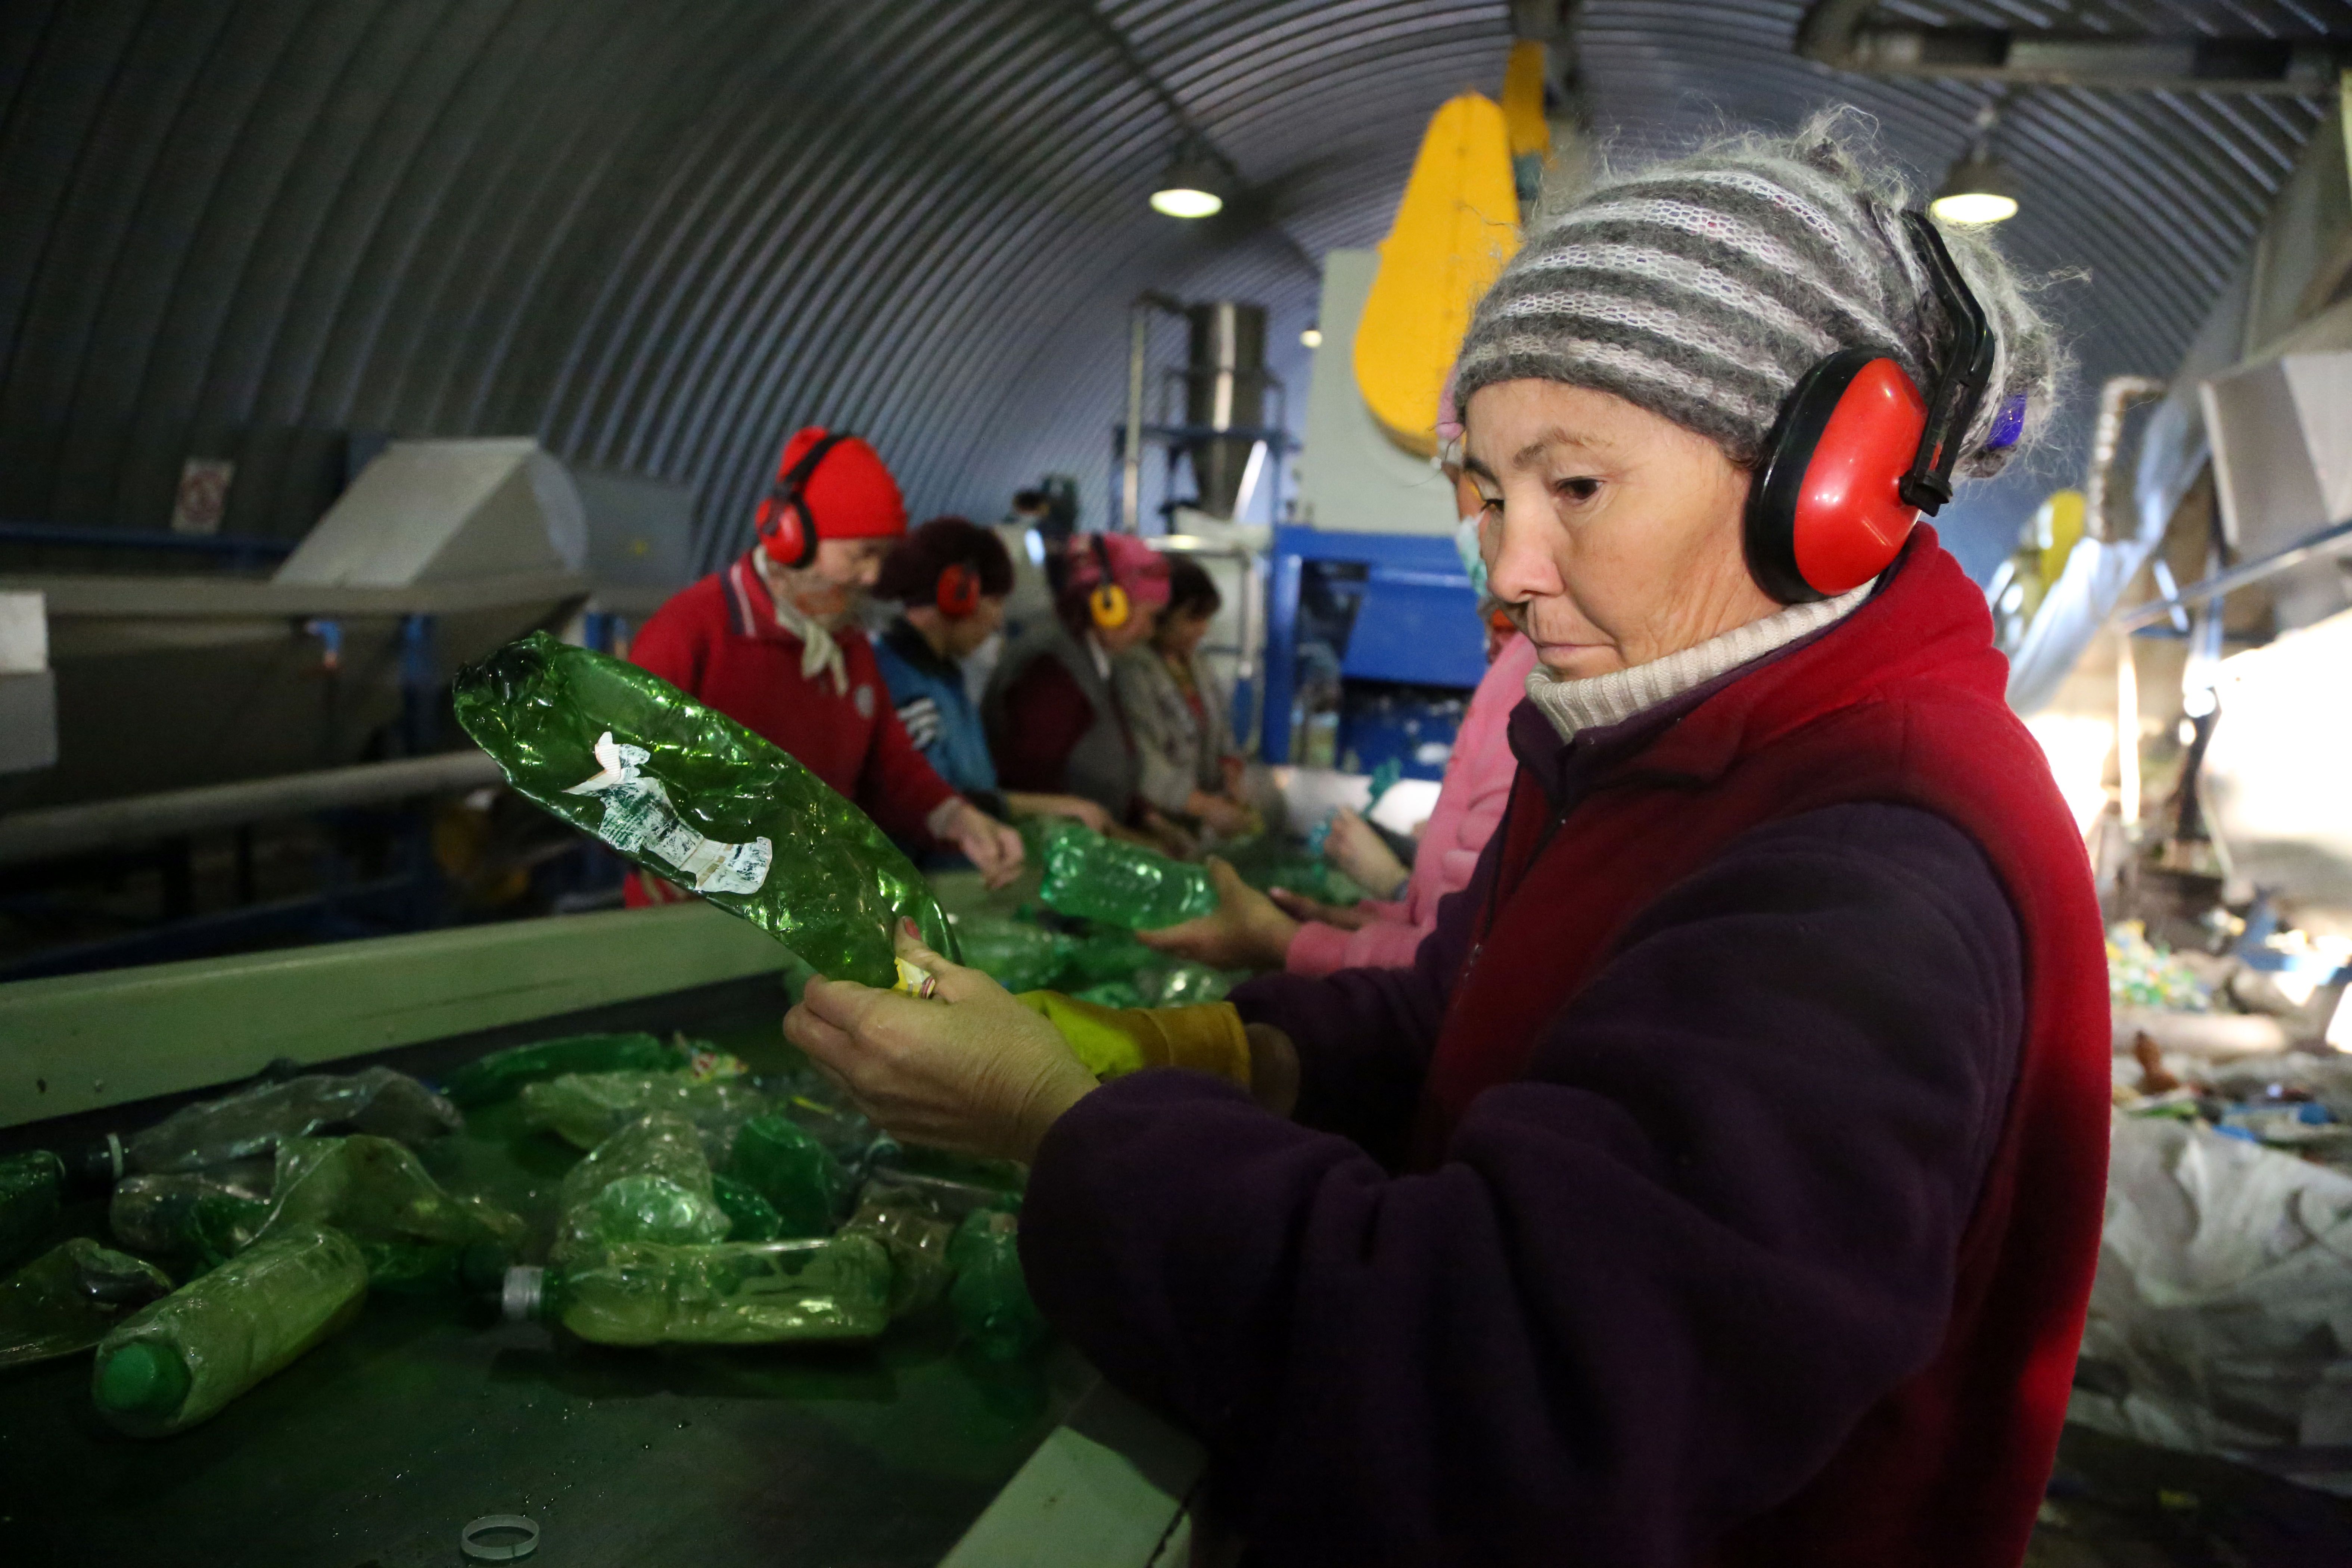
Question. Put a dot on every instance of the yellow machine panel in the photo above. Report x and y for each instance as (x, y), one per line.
(1457, 226)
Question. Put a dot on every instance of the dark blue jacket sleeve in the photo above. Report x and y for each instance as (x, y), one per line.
(1364, 1036)
(1653, 1284)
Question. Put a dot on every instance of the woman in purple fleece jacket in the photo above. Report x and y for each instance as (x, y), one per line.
(1645, 1242)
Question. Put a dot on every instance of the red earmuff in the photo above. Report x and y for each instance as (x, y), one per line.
(1858, 454)
(1826, 513)
(958, 595)
(786, 530)
(785, 533)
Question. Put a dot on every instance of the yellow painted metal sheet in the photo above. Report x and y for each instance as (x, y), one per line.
(1457, 226)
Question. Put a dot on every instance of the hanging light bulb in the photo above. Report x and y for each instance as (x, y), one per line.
(1312, 337)
(1192, 187)
(1979, 189)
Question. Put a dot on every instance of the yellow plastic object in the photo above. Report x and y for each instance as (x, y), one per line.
(1457, 226)
(1115, 1041)
(2056, 529)
(1523, 99)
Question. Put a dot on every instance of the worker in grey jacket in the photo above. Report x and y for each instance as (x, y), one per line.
(1190, 766)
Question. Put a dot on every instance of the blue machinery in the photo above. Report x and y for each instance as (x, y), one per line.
(1396, 610)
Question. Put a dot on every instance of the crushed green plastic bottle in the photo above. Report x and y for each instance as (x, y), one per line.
(181, 1213)
(951, 1183)
(1271, 860)
(692, 796)
(731, 1293)
(1181, 983)
(989, 1297)
(179, 1360)
(786, 1165)
(649, 1182)
(254, 1121)
(586, 1109)
(1100, 879)
(67, 1299)
(414, 1236)
(503, 1073)
(1106, 956)
(749, 1216)
(32, 1186)
(911, 1228)
(1017, 955)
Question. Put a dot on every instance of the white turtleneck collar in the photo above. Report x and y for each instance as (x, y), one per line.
(1599, 701)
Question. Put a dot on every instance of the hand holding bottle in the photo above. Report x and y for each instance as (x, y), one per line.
(1246, 931)
(967, 1069)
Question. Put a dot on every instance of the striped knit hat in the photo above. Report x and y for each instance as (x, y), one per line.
(1701, 289)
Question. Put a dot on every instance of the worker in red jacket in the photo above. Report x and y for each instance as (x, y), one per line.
(1722, 1185)
(772, 643)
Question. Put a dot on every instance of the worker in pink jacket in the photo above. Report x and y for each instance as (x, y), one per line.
(1381, 933)
(1252, 931)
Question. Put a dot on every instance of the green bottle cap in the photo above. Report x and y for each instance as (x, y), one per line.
(144, 1376)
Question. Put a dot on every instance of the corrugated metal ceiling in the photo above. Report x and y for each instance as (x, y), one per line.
(661, 232)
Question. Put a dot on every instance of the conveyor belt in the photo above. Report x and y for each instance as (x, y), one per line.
(379, 1445)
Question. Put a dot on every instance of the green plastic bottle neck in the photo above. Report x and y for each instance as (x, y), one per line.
(142, 1376)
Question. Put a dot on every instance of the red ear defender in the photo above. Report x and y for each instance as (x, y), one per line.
(1857, 454)
(783, 533)
(1825, 512)
(785, 529)
(958, 591)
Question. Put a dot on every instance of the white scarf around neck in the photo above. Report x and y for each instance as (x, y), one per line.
(1597, 701)
(818, 650)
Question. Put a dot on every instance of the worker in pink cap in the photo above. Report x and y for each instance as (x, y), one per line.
(773, 643)
(1286, 931)
(1054, 718)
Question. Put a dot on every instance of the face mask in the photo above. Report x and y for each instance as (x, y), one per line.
(1466, 545)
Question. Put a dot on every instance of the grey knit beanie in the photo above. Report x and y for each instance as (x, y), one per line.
(1703, 288)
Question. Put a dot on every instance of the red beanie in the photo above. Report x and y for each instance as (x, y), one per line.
(851, 495)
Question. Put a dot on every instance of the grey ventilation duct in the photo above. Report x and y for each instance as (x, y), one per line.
(1841, 33)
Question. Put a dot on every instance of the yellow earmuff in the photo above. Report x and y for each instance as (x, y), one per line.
(1108, 604)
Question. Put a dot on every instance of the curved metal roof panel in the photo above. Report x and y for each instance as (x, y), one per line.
(662, 233)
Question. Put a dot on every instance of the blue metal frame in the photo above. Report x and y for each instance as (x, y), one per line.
(1414, 589)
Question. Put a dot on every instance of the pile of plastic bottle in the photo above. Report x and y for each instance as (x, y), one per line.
(2142, 974)
(709, 1209)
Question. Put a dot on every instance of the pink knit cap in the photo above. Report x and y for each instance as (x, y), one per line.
(1134, 566)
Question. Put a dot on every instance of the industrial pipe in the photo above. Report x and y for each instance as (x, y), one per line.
(1139, 326)
(49, 833)
(2334, 540)
(1840, 34)
(2118, 394)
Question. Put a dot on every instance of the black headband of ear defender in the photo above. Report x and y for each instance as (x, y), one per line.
(1962, 375)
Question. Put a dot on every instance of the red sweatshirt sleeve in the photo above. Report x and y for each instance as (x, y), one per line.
(1046, 714)
(898, 787)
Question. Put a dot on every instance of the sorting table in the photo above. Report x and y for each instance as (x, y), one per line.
(378, 1446)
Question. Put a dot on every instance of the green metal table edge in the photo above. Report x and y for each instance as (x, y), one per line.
(83, 1042)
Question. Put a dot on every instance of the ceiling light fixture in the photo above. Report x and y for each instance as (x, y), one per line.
(1981, 189)
(1312, 337)
(1192, 187)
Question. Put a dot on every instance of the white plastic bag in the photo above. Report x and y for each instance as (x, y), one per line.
(2221, 1319)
